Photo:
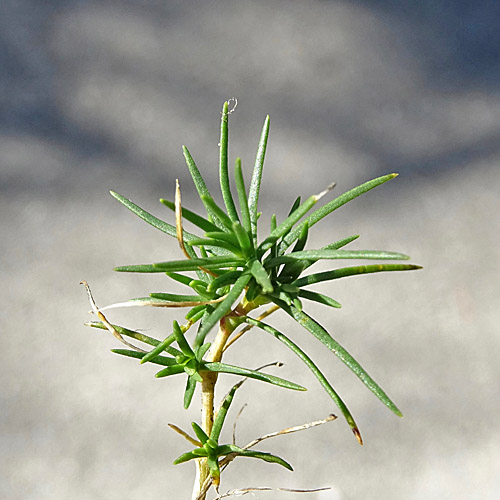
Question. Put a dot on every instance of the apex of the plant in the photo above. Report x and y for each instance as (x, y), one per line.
(230, 275)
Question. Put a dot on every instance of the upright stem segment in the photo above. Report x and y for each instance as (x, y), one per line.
(207, 400)
(227, 325)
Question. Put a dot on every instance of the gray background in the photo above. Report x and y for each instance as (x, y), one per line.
(98, 95)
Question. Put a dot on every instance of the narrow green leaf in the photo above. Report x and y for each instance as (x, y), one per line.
(223, 308)
(213, 465)
(293, 270)
(253, 194)
(327, 340)
(210, 242)
(138, 268)
(170, 370)
(209, 202)
(242, 196)
(195, 312)
(257, 375)
(296, 204)
(320, 298)
(198, 180)
(200, 433)
(163, 226)
(227, 278)
(223, 165)
(201, 351)
(192, 217)
(267, 457)
(274, 222)
(329, 207)
(222, 413)
(314, 369)
(125, 332)
(158, 360)
(200, 287)
(189, 392)
(244, 240)
(261, 276)
(297, 268)
(180, 278)
(181, 340)
(340, 243)
(185, 457)
(352, 271)
(160, 347)
(223, 236)
(194, 264)
(173, 297)
(334, 254)
(273, 251)
(201, 187)
(288, 223)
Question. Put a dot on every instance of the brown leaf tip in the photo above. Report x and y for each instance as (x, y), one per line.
(356, 433)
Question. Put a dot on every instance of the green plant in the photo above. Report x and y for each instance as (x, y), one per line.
(236, 275)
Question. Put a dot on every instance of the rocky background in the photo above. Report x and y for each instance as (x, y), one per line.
(99, 95)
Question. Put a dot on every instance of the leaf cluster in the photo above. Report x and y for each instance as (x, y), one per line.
(235, 274)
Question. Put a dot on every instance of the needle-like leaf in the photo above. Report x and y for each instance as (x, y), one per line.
(222, 309)
(326, 339)
(209, 202)
(242, 196)
(222, 413)
(314, 369)
(194, 264)
(163, 226)
(261, 276)
(189, 392)
(210, 242)
(126, 332)
(158, 360)
(200, 433)
(334, 254)
(327, 209)
(227, 278)
(160, 347)
(320, 298)
(352, 271)
(192, 217)
(257, 375)
(244, 241)
(170, 370)
(253, 194)
(173, 297)
(223, 165)
(267, 457)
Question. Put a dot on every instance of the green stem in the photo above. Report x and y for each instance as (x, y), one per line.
(214, 354)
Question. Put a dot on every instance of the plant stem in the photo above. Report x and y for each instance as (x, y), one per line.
(214, 354)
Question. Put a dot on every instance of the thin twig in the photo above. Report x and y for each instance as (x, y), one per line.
(289, 430)
(229, 458)
(106, 323)
(185, 435)
(264, 315)
(178, 225)
(236, 422)
(244, 491)
(234, 102)
(278, 364)
(162, 303)
(178, 219)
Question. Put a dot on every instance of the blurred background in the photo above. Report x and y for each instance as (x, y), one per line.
(99, 95)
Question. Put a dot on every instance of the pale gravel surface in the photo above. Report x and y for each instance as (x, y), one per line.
(98, 95)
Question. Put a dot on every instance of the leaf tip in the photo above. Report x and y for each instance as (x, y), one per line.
(357, 434)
